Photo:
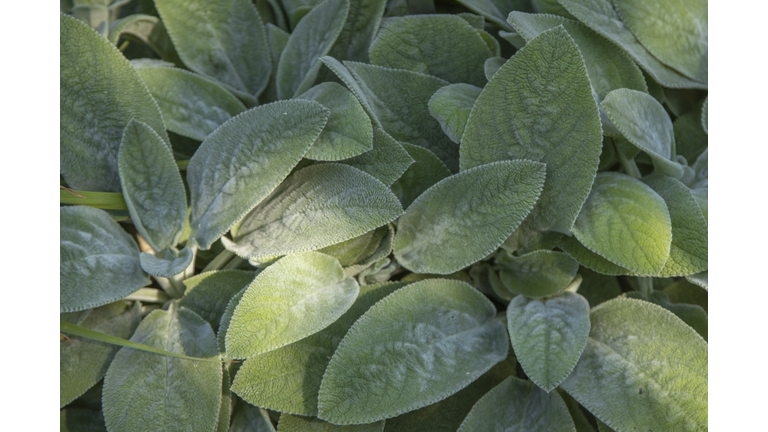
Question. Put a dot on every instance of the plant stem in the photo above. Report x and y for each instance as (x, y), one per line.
(234, 263)
(629, 165)
(646, 286)
(149, 295)
(220, 260)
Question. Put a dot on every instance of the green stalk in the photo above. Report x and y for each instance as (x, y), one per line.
(629, 165)
(234, 263)
(646, 286)
(149, 295)
(220, 261)
(101, 200)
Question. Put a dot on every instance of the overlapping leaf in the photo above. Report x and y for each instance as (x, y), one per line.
(387, 161)
(537, 274)
(170, 263)
(451, 106)
(426, 170)
(209, 293)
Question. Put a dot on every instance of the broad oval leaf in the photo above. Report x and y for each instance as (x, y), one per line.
(627, 223)
(348, 132)
(96, 107)
(209, 293)
(296, 297)
(148, 391)
(427, 169)
(519, 406)
(152, 186)
(548, 335)
(451, 106)
(224, 40)
(317, 206)
(445, 46)
(192, 105)
(312, 38)
(465, 217)
(387, 161)
(642, 368)
(170, 264)
(444, 338)
(537, 274)
(252, 152)
(99, 260)
(562, 128)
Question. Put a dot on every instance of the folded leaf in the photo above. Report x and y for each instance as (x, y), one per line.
(252, 152)
(495, 11)
(384, 237)
(170, 264)
(465, 217)
(95, 108)
(292, 423)
(642, 368)
(426, 170)
(443, 339)
(294, 298)
(351, 251)
(99, 260)
(700, 279)
(317, 206)
(209, 293)
(492, 65)
(589, 259)
(451, 106)
(148, 29)
(548, 335)
(561, 129)
(537, 274)
(387, 161)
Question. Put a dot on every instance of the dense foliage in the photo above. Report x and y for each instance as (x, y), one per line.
(372, 215)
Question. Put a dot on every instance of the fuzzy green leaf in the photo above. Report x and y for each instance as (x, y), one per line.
(226, 319)
(495, 11)
(451, 106)
(248, 418)
(589, 259)
(209, 293)
(361, 27)
(537, 274)
(148, 29)
(170, 264)
(292, 423)
(387, 161)
(427, 169)
(352, 251)
(492, 65)
(700, 279)
(444, 338)
(465, 217)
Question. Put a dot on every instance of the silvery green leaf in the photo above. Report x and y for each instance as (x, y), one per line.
(95, 14)
(644, 122)
(95, 111)
(589, 259)
(691, 140)
(359, 30)
(598, 288)
(399, 102)
(248, 418)
(288, 379)
(426, 170)
(192, 105)
(525, 239)
(693, 315)
(495, 11)
(170, 264)
(492, 65)
(562, 129)
(348, 132)
(345, 76)
(292, 423)
(600, 16)
(537, 274)
(642, 368)
(386, 235)
(688, 252)
(225, 409)
(465, 217)
(226, 319)
(81, 420)
(209, 293)
(513, 38)
(445, 46)
(476, 21)
(675, 32)
(700, 279)
(451, 106)
(626, 222)
(99, 261)
(445, 337)
(578, 414)
(312, 38)
(492, 43)
(704, 111)
(147, 391)
(294, 298)
(387, 161)
(683, 291)
(148, 29)
(252, 152)
(224, 40)
(519, 406)
(548, 335)
(315, 207)
(351, 251)
(152, 186)
(278, 39)
(83, 362)
(298, 9)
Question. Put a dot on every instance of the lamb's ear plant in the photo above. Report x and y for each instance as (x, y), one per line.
(383, 216)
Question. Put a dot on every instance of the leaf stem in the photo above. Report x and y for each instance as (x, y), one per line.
(220, 261)
(234, 263)
(646, 286)
(629, 165)
(149, 295)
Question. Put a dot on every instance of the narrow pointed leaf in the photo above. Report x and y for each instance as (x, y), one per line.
(426, 170)
(537, 274)
(101, 200)
(451, 106)
(168, 265)
(209, 293)
(292, 423)
(387, 161)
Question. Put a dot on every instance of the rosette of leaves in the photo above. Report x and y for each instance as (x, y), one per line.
(383, 215)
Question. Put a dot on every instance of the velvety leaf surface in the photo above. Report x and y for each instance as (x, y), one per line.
(209, 293)
(353, 250)
(539, 106)
(288, 379)
(248, 418)
(445, 46)
(692, 315)
(548, 335)
(148, 29)
(312, 38)
(174, 394)
(465, 217)
(626, 222)
(296, 297)
(170, 264)
(152, 186)
(223, 40)
(387, 161)
(252, 152)
(642, 368)
(700, 279)
(348, 132)
(589, 259)
(427, 169)
(362, 24)
(518, 406)
(192, 105)
(99, 261)
(226, 319)
(317, 206)
(492, 65)
(443, 338)
(451, 106)
(495, 11)
(96, 106)
(537, 274)
(292, 423)
(83, 362)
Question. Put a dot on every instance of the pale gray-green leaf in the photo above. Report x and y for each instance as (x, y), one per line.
(643, 369)
(170, 264)
(278, 39)
(465, 217)
(226, 319)
(362, 24)
(148, 29)
(387, 161)
(492, 65)
(427, 169)
(252, 152)
(99, 261)
(294, 298)
(209, 293)
(693, 315)
(700, 279)
(537, 274)
(589, 259)
(539, 106)
(548, 335)
(451, 106)
(444, 337)
(292, 423)
(96, 106)
(495, 11)
(351, 251)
